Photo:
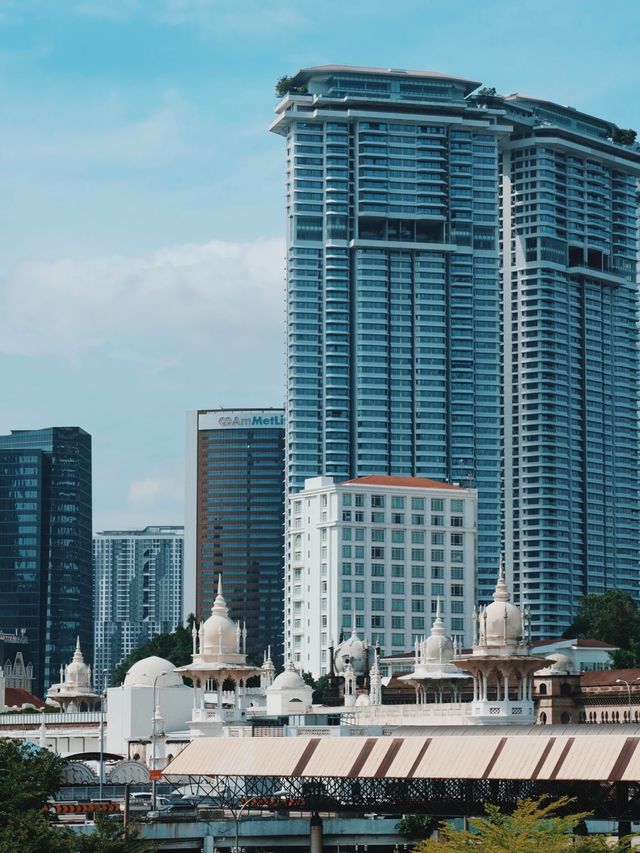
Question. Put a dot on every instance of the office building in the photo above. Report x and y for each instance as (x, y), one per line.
(234, 518)
(138, 591)
(393, 286)
(398, 186)
(569, 213)
(46, 580)
(381, 551)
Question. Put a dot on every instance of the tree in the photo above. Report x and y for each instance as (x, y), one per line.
(486, 92)
(29, 776)
(534, 826)
(285, 85)
(176, 647)
(415, 827)
(624, 136)
(112, 837)
(612, 618)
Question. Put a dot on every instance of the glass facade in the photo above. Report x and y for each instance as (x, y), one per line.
(240, 522)
(45, 544)
(571, 360)
(393, 285)
(138, 590)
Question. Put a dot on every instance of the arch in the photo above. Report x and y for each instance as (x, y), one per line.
(543, 717)
(565, 717)
(542, 689)
(128, 771)
(77, 773)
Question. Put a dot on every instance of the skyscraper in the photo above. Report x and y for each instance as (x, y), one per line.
(398, 185)
(234, 518)
(45, 544)
(569, 212)
(393, 287)
(138, 590)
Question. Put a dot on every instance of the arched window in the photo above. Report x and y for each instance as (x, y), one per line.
(543, 717)
(542, 690)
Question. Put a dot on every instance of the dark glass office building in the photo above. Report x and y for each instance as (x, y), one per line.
(234, 519)
(46, 584)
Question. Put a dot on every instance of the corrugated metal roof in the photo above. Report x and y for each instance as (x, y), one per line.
(580, 753)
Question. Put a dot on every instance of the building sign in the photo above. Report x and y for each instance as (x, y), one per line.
(241, 419)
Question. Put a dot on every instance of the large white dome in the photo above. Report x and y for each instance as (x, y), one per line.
(503, 620)
(220, 632)
(149, 670)
(78, 673)
(438, 647)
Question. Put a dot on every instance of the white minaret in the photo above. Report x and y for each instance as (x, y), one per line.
(375, 683)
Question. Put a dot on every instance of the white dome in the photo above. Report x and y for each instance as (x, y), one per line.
(438, 647)
(502, 620)
(288, 680)
(149, 670)
(78, 673)
(559, 664)
(220, 632)
(354, 651)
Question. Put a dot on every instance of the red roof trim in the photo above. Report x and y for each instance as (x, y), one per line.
(403, 482)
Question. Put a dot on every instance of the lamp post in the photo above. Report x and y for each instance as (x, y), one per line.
(624, 681)
(281, 795)
(103, 699)
(154, 758)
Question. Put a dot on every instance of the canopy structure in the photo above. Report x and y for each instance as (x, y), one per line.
(447, 770)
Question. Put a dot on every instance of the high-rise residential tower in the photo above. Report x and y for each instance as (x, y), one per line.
(397, 185)
(46, 579)
(138, 591)
(234, 518)
(393, 287)
(570, 229)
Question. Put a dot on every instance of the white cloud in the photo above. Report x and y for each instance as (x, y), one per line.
(145, 308)
(154, 490)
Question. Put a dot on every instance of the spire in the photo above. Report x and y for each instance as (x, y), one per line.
(437, 629)
(77, 655)
(501, 591)
(220, 605)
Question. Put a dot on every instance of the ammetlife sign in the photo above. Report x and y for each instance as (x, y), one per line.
(241, 419)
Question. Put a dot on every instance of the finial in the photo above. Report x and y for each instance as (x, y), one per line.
(220, 583)
(501, 592)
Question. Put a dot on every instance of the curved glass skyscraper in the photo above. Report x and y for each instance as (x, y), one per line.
(393, 332)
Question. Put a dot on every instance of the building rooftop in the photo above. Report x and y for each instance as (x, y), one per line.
(400, 482)
(580, 643)
(305, 73)
(609, 677)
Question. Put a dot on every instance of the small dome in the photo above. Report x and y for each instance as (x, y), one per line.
(438, 648)
(220, 632)
(352, 651)
(503, 620)
(78, 673)
(559, 665)
(146, 671)
(289, 679)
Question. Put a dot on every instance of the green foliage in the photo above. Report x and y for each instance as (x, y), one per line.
(486, 92)
(624, 136)
(285, 85)
(533, 826)
(176, 647)
(111, 837)
(29, 775)
(32, 832)
(415, 827)
(612, 618)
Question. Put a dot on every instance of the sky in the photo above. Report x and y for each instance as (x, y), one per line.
(142, 196)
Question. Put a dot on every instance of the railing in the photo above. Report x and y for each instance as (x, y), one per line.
(398, 713)
(19, 720)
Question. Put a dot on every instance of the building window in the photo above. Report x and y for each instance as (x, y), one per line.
(377, 553)
(346, 499)
(437, 538)
(437, 589)
(437, 555)
(397, 536)
(377, 500)
(457, 521)
(359, 500)
(417, 503)
(457, 506)
(437, 505)
(377, 604)
(417, 519)
(377, 518)
(397, 587)
(397, 502)
(457, 589)
(377, 587)
(377, 570)
(397, 622)
(397, 571)
(417, 605)
(417, 623)
(397, 605)
(437, 520)
(377, 535)
(377, 621)
(397, 553)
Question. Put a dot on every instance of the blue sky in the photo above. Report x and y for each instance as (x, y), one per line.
(141, 271)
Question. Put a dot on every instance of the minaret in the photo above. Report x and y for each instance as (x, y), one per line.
(349, 686)
(375, 683)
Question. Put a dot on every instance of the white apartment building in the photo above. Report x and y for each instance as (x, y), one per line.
(380, 550)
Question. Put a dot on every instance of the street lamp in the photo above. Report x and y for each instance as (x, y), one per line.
(103, 699)
(281, 795)
(624, 681)
(154, 741)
